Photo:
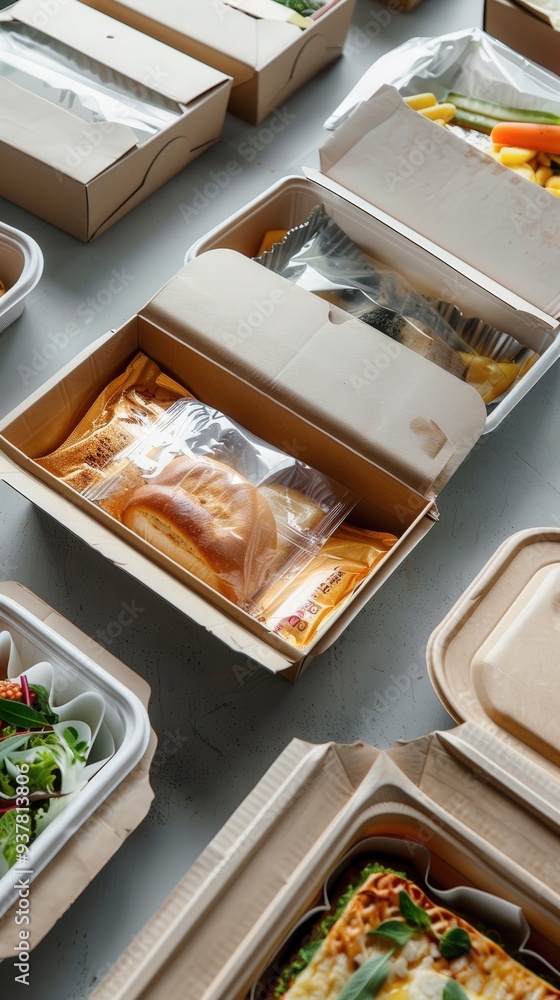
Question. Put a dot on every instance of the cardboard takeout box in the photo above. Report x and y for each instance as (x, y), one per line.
(94, 842)
(86, 175)
(521, 27)
(268, 49)
(483, 799)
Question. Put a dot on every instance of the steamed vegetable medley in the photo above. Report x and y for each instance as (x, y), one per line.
(525, 141)
(42, 763)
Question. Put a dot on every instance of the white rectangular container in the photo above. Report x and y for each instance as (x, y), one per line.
(21, 267)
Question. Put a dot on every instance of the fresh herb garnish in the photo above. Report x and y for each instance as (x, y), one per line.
(368, 979)
(43, 774)
(455, 943)
(15, 713)
(414, 915)
(395, 930)
(78, 747)
(42, 696)
(454, 991)
(7, 786)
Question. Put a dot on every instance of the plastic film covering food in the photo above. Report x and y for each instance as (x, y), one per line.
(468, 62)
(298, 611)
(233, 510)
(320, 257)
(386, 929)
(130, 403)
(81, 85)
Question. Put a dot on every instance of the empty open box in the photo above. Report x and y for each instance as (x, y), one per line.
(482, 799)
(72, 849)
(268, 49)
(95, 115)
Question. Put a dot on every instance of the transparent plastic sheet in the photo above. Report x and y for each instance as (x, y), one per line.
(84, 87)
(469, 62)
(298, 611)
(230, 508)
(321, 258)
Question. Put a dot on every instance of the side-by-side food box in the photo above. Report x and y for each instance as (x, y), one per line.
(95, 115)
(104, 703)
(527, 27)
(388, 425)
(479, 803)
(269, 49)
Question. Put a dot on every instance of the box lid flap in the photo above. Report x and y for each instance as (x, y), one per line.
(55, 136)
(245, 41)
(152, 64)
(448, 191)
(405, 414)
(545, 9)
(494, 659)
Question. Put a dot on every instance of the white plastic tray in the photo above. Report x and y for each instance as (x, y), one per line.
(21, 266)
(125, 718)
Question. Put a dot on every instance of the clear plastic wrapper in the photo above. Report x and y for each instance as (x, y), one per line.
(298, 611)
(84, 87)
(320, 257)
(222, 503)
(235, 511)
(468, 62)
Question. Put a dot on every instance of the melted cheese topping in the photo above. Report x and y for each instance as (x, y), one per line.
(418, 970)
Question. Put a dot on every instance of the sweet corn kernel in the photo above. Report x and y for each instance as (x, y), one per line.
(515, 156)
(419, 101)
(526, 171)
(542, 174)
(444, 111)
(553, 183)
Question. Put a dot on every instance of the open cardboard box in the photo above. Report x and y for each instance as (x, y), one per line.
(522, 29)
(85, 176)
(268, 49)
(383, 173)
(483, 798)
(94, 843)
(379, 419)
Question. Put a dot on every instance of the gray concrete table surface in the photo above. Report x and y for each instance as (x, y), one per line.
(221, 721)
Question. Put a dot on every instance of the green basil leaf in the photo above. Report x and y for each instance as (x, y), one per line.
(453, 991)
(413, 914)
(368, 979)
(15, 713)
(455, 943)
(395, 930)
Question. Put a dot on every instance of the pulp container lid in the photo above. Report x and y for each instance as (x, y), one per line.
(493, 661)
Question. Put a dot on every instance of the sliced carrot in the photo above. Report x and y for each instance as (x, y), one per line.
(542, 138)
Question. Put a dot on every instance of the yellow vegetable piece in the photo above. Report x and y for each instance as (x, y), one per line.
(542, 174)
(440, 121)
(495, 147)
(271, 237)
(553, 182)
(444, 111)
(555, 191)
(419, 101)
(490, 378)
(526, 171)
(514, 156)
(531, 360)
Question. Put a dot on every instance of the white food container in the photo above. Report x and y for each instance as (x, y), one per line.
(483, 799)
(21, 266)
(77, 843)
